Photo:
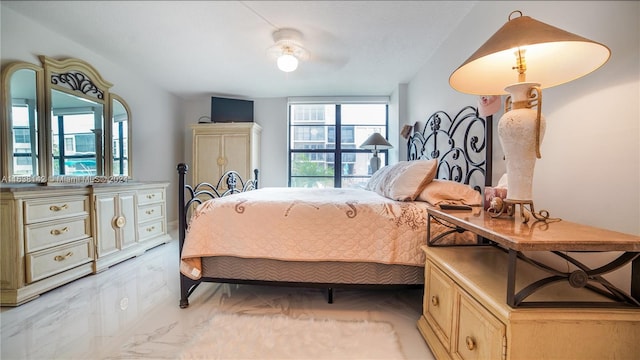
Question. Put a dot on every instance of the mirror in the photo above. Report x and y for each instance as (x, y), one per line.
(22, 98)
(54, 124)
(76, 135)
(77, 96)
(120, 136)
(25, 127)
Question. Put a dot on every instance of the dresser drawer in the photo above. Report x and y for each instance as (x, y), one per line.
(438, 303)
(44, 263)
(55, 208)
(150, 212)
(40, 236)
(480, 335)
(151, 229)
(150, 196)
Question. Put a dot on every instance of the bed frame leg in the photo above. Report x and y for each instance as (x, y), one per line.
(187, 286)
(184, 291)
(330, 295)
(184, 303)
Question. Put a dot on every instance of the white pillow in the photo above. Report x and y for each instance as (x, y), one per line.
(405, 180)
(375, 182)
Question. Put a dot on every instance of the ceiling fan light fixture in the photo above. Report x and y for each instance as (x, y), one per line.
(287, 62)
(288, 49)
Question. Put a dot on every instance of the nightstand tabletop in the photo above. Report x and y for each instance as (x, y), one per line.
(512, 233)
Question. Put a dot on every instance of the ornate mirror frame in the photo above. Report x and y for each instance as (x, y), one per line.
(78, 82)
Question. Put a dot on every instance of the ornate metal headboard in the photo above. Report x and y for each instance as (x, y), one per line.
(461, 144)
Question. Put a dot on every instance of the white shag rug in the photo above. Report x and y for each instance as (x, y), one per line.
(233, 336)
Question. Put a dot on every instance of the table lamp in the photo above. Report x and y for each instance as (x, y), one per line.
(520, 59)
(375, 142)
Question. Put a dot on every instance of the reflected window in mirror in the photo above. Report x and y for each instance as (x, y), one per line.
(24, 123)
(76, 127)
(120, 138)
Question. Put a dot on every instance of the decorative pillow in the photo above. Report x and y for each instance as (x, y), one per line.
(405, 180)
(376, 180)
(449, 192)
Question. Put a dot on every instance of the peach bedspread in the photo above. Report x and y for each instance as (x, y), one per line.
(307, 225)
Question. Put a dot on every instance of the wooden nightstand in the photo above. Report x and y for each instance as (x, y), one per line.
(474, 304)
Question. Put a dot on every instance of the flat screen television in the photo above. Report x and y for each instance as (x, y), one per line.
(224, 110)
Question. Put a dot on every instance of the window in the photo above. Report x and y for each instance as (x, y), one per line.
(23, 157)
(77, 155)
(68, 144)
(120, 152)
(324, 142)
(309, 113)
(21, 135)
(25, 145)
(85, 143)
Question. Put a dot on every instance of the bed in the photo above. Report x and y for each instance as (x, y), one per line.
(232, 231)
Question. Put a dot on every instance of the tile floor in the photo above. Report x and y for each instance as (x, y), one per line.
(131, 311)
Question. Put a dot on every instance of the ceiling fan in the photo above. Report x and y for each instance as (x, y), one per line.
(288, 49)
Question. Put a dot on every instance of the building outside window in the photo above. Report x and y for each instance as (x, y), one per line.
(21, 135)
(120, 146)
(78, 155)
(24, 142)
(324, 142)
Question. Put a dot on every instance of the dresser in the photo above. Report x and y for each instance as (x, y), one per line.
(51, 235)
(128, 219)
(220, 147)
(484, 302)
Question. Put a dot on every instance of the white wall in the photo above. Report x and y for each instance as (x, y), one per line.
(271, 114)
(397, 113)
(590, 167)
(154, 112)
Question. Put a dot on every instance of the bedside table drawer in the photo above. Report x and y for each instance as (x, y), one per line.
(438, 302)
(42, 264)
(480, 335)
(43, 235)
(55, 208)
(150, 212)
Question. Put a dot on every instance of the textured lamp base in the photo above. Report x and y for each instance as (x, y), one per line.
(521, 130)
(374, 163)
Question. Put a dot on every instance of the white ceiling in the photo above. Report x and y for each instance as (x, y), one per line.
(192, 48)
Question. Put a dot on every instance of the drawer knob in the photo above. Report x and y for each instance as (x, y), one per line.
(434, 300)
(59, 231)
(150, 196)
(120, 221)
(150, 229)
(471, 343)
(63, 257)
(149, 212)
(58, 208)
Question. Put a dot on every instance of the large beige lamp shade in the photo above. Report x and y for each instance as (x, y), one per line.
(553, 57)
(520, 59)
